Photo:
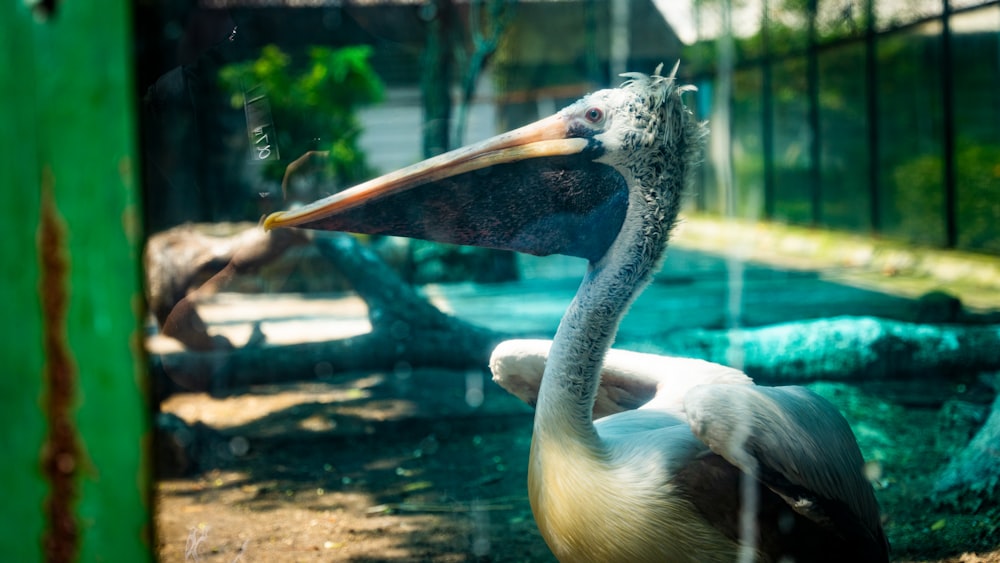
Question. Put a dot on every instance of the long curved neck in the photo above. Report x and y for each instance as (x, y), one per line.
(587, 330)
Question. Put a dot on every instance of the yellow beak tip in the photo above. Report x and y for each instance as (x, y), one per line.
(272, 221)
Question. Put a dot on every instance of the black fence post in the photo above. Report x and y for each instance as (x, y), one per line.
(948, 144)
(871, 109)
(767, 114)
(812, 77)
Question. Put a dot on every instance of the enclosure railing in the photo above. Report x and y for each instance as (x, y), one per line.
(872, 116)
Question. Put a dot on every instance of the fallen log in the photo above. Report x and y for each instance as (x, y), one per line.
(407, 332)
(410, 332)
(844, 349)
(183, 264)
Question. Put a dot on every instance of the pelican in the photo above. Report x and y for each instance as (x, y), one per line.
(667, 459)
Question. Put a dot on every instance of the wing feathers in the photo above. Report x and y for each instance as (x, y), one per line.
(798, 445)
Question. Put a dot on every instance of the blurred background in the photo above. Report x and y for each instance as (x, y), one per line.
(868, 117)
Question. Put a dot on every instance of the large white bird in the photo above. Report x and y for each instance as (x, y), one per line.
(666, 459)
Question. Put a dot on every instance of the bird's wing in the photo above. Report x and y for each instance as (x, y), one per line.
(797, 444)
(653, 440)
(629, 380)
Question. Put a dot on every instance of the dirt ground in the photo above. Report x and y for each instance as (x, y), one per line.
(399, 467)
(431, 466)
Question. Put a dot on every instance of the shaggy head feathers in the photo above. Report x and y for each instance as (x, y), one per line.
(654, 125)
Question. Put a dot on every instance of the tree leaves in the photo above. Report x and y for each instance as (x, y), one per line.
(314, 99)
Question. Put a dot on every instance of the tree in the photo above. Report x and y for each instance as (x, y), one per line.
(485, 34)
(436, 78)
(447, 47)
(314, 105)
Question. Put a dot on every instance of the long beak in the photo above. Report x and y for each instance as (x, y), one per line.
(534, 190)
(545, 138)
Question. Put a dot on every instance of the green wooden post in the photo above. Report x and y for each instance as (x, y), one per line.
(74, 432)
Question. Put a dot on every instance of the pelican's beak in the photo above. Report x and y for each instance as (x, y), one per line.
(535, 189)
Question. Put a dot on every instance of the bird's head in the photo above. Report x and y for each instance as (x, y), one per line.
(560, 185)
(642, 120)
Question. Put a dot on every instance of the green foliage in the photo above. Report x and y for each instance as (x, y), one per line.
(314, 99)
(920, 198)
(909, 119)
(787, 29)
(978, 186)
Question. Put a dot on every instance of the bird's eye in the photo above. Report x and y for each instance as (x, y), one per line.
(594, 115)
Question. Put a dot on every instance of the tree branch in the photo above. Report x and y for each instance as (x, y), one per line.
(407, 332)
(844, 349)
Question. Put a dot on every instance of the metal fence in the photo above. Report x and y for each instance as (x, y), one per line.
(872, 116)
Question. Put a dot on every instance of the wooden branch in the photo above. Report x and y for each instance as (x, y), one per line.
(844, 349)
(377, 284)
(222, 371)
(184, 264)
(410, 332)
(972, 478)
(407, 332)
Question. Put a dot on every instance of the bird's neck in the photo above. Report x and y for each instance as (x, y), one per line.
(587, 330)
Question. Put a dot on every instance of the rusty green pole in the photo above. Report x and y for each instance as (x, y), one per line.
(74, 433)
